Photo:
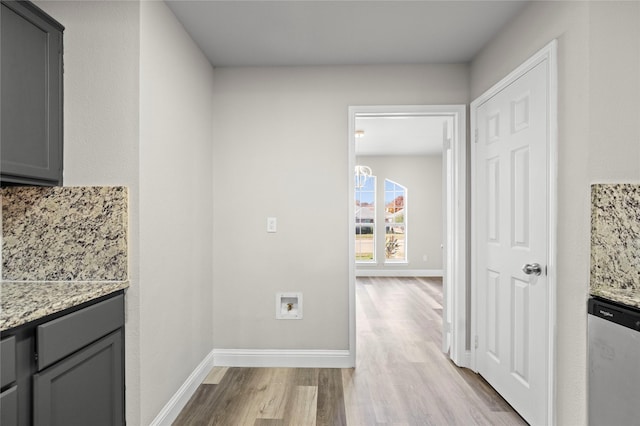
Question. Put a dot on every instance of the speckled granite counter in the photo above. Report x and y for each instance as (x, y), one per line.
(23, 302)
(615, 242)
(64, 233)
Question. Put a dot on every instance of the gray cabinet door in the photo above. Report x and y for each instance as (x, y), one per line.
(9, 407)
(31, 95)
(86, 388)
(7, 361)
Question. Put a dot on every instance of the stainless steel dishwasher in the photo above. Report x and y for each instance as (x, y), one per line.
(614, 364)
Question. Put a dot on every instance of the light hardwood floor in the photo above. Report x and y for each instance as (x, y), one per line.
(401, 376)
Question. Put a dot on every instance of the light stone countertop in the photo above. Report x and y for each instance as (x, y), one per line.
(615, 242)
(25, 301)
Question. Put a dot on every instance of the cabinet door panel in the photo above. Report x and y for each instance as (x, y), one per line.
(8, 361)
(84, 389)
(31, 104)
(9, 407)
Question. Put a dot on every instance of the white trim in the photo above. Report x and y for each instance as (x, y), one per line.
(296, 358)
(172, 409)
(405, 223)
(398, 272)
(552, 269)
(458, 242)
(548, 53)
(352, 232)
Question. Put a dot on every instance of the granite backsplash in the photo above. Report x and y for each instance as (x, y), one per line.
(615, 242)
(64, 233)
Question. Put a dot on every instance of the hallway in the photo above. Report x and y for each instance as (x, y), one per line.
(401, 376)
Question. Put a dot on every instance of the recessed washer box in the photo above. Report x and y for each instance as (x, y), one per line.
(288, 305)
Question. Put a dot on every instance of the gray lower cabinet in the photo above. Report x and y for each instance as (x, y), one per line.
(85, 389)
(9, 393)
(31, 97)
(66, 369)
(9, 406)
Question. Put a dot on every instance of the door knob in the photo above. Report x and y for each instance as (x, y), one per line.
(532, 269)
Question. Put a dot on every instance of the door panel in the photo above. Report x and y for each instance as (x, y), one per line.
(511, 215)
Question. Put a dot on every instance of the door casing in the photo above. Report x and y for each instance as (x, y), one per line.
(457, 240)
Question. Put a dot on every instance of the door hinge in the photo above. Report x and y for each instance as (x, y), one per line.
(476, 136)
(475, 344)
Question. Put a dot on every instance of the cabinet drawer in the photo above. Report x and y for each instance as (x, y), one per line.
(8, 360)
(65, 335)
(9, 407)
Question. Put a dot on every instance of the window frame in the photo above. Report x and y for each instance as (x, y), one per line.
(374, 260)
(405, 204)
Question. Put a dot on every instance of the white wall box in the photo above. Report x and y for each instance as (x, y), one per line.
(289, 306)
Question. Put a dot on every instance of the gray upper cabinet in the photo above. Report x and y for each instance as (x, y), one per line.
(31, 96)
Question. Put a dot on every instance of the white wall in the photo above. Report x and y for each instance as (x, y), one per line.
(599, 77)
(138, 113)
(422, 176)
(614, 86)
(281, 149)
(176, 199)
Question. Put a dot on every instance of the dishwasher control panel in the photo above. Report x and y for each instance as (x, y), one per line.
(615, 313)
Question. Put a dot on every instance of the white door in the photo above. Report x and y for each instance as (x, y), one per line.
(511, 230)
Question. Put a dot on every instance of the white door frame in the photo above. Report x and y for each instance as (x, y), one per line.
(458, 276)
(548, 53)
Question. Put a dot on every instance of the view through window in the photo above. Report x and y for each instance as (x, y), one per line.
(395, 220)
(365, 220)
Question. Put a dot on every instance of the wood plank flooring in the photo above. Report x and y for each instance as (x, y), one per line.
(401, 376)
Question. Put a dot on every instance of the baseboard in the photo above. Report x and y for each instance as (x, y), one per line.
(178, 401)
(282, 358)
(398, 272)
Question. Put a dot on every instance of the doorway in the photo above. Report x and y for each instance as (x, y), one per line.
(453, 142)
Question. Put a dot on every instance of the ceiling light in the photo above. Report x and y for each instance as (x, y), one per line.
(362, 174)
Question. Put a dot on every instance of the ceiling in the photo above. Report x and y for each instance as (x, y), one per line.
(344, 32)
(235, 33)
(400, 135)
